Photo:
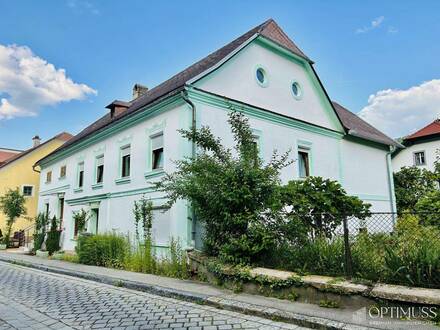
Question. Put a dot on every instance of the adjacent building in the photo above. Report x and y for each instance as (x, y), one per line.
(422, 148)
(18, 172)
(263, 74)
(6, 153)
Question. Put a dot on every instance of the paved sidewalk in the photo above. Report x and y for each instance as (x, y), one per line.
(302, 314)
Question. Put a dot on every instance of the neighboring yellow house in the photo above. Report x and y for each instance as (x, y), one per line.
(18, 172)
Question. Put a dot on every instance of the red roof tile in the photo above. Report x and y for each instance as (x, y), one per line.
(5, 155)
(431, 129)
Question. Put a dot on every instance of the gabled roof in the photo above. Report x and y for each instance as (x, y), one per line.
(62, 137)
(6, 153)
(175, 84)
(429, 130)
(357, 127)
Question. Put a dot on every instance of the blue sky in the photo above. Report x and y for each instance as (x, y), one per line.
(388, 49)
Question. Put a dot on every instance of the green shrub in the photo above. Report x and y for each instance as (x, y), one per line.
(368, 254)
(53, 241)
(109, 250)
(229, 192)
(428, 208)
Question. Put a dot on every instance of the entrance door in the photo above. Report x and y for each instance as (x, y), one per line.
(93, 222)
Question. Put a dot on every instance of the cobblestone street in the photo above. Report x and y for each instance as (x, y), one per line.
(32, 299)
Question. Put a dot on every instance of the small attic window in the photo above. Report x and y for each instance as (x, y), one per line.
(261, 76)
(296, 90)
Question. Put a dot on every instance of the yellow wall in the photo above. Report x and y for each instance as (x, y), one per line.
(20, 173)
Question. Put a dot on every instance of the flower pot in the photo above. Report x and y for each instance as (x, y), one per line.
(2, 246)
(42, 254)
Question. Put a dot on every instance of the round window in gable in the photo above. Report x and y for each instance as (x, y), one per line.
(296, 90)
(261, 76)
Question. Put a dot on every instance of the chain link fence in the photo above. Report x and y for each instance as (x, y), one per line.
(408, 245)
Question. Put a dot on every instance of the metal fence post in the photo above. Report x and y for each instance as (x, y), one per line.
(347, 250)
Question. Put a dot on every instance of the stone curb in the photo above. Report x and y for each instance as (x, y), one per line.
(214, 301)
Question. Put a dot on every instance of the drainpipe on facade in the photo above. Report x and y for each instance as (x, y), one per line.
(33, 168)
(391, 182)
(193, 156)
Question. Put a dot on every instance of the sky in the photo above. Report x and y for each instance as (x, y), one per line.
(63, 61)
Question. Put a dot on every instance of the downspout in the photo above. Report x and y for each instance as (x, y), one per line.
(185, 97)
(33, 168)
(391, 182)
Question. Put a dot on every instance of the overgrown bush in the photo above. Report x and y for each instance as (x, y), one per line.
(411, 184)
(428, 208)
(116, 251)
(109, 250)
(414, 259)
(230, 193)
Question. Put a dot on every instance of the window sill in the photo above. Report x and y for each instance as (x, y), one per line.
(48, 182)
(97, 186)
(154, 173)
(78, 190)
(123, 180)
(62, 178)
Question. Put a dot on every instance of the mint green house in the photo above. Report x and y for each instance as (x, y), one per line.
(262, 73)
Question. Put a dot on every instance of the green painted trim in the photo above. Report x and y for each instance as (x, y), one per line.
(154, 173)
(391, 182)
(55, 190)
(78, 190)
(367, 143)
(325, 102)
(86, 199)
(147, 112)
(201, 96)
(97, 186)
(370, 197)
(100, 197)
(124, 180)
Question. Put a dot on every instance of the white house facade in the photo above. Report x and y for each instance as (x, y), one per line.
(263, 74)
(421, 148)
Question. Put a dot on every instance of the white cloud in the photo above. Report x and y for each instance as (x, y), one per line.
(81, 6)
(28, 83)
(375, 23)
(400, 112)
(392, 30)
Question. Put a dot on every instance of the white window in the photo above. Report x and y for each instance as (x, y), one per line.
(63, 170)
(80, 175)
(49, 177)
(125, 161)
(28, 191)
(419, 158)
(99, 169)
(261, 76)
(296, 90)
(157, 154)
(303, 162)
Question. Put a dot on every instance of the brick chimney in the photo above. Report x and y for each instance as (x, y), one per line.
(117, 108)
(139, 90)
(36, 141)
